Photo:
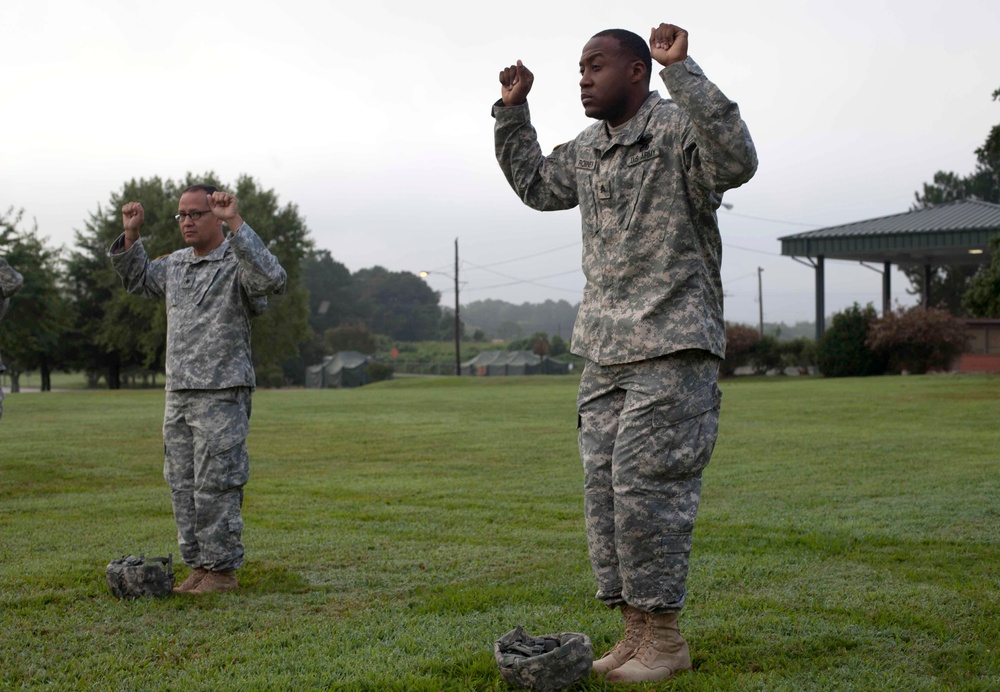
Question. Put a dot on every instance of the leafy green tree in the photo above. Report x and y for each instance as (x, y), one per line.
(35, 331)
(949, 283)
(124, 331)
(446, 325)
(844, 352)
(983, 297)
(349, 337)
(399, 305)
(332, 296)
(540, 345)
(508, 330)
(528, 343)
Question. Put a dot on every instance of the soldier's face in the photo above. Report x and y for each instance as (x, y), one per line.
(204, 234)
(605, 79)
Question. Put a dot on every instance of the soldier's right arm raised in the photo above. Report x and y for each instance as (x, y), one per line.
(132, 217)
(515, 83)
(543, 183)
(139, 275)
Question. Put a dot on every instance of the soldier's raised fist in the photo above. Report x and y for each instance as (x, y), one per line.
(515, 83)
(132, 218)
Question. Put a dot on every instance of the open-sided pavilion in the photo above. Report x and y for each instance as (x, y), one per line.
(946, 234)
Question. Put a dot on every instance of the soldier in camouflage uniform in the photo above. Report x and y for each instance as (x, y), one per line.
(648, 178)
(10, 283)
(213, 288)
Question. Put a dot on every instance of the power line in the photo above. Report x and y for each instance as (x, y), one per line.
(532, 282)
(739, 278)
(762, 218)
(750, 249)
(518, 259)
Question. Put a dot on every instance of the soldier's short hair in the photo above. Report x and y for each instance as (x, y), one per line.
(631, 44)
(200, 187)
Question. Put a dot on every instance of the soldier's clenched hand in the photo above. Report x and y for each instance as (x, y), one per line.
(132, 218)
(223, 205)
(668, 44)
(515, 83)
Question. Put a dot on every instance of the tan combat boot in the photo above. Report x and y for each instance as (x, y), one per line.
(216, 581)
(635, 629)
(193, 579)
(660, 655)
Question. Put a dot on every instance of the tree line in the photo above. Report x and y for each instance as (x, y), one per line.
(74, 315)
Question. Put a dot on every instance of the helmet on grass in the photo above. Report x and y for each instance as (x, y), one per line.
(544, 664)
(134, 577)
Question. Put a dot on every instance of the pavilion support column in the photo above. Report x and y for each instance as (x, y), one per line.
(928, 271)
(820, 299)
(886, 289)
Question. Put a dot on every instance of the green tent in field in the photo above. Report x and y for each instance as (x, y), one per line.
(496, 363)
(343, 369)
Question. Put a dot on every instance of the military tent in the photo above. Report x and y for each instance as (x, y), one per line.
(493, 363)
(343, 369)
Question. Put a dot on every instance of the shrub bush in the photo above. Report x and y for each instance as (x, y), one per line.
(798, 353)
(740, 343)
(843, 351)
(919, 339)
(379, 371)
(350, 337)
(766, 355)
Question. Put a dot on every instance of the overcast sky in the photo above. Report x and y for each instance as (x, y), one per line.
(373, 117)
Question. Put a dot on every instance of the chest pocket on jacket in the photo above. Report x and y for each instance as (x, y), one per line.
(193, 285)
(637, 163)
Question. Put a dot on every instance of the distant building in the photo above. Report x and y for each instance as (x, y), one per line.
(498, 363)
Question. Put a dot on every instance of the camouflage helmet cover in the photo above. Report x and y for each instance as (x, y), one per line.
(544, 664)
(134, 577)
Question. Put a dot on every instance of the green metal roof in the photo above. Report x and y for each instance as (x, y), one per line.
(944, 234)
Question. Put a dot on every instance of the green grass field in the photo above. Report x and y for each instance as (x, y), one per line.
(849, 538)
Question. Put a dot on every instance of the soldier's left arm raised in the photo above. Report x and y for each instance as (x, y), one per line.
(10, 280)
(718, 150)
(260, 272)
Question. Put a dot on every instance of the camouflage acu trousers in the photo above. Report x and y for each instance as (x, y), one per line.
(647, 430)
(206, 466)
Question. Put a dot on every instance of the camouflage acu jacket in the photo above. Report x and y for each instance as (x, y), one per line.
(210, 302)
(10, 283)
(648, 197)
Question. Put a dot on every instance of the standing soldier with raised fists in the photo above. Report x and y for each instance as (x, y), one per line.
(213, 288)
(10, 283)
(648, 178)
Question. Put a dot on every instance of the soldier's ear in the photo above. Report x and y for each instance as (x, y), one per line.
(639, 73)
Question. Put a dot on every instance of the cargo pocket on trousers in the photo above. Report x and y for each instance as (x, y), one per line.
(227, 447)
(674, 559)
(685, 431)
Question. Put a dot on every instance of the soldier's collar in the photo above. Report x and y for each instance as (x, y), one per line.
(214, 256)
(597, 134)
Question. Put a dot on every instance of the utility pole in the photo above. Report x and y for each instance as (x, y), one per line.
(458, 322)
(760, 299)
